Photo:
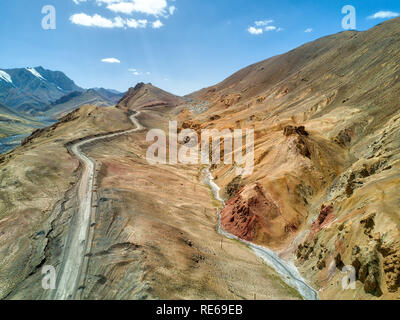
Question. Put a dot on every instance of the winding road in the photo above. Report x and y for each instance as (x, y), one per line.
(79, 237)
(287, 270)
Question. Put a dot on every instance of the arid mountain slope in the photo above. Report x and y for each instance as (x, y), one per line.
(155, 235)
(156, 232)
(15, 126)
(13, 123)
(327, 134)
(38, 183)
(76, 99)
(146, 95)
(324, 191)
(30, 90)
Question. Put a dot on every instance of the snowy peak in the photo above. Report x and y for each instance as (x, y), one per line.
(32, 89)
(35, 73)
(5, 76)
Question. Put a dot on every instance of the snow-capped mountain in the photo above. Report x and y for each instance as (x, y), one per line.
(32, 90)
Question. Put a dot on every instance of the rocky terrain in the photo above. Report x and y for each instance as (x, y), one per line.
(15, 126)
(142, 96)
(326, 180)
(31, 90)
(183, 257)
(13, 123)
(324, 192)
(76, 99)
(35, 221)
(32, 98)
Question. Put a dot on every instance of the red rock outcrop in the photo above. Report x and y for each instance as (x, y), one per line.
(325, 216)
(246, 215)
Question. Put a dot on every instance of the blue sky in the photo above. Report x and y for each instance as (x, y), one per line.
(180, 46)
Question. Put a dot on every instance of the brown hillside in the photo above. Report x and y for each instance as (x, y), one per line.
(146, 95)
(327, 129)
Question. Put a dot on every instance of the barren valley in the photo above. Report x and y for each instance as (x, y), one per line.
(323, 196)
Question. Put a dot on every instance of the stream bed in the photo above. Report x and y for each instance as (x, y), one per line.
(286, 269)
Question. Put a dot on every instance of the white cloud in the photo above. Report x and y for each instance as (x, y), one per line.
(133, 23)
(384, 15)
(270, 28)
(110, 60)
(253, 30)
(156, 8)
(157, 24)
(263, 23)
(308, 30)
(149, 7)
(122, 7)
(96, 21)
(172, 10)
(100, 2)
(136, 72)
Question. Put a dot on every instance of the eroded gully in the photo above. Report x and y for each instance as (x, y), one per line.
(286, 269)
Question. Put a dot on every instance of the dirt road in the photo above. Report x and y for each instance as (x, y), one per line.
(79, 239)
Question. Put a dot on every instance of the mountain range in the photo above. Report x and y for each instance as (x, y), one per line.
(321, 203)
(32, 98)
(326, 181)
(15, 126)
(96, 97)
(33, 89)
(146, 95)
(37, 90)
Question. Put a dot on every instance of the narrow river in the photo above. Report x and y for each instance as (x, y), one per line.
(287, 270)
